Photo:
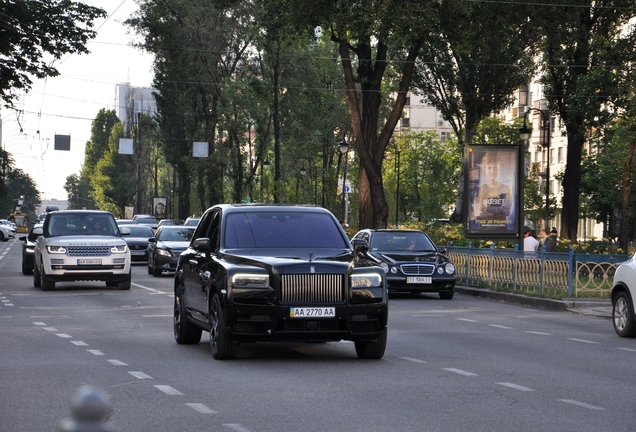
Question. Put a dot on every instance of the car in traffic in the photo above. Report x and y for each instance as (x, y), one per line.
(6, 232)
(192, 221)
(138, 241)
(121, 222)
(166, 246)
(412, 262)
(623, 292)
(146, 219)
(28, 246)
(81, 245)
(166, 222)
(258, 273)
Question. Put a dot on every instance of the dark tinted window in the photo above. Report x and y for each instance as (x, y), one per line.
(282, 230)
(60, 224)
(147, 221)
(140, 231)
(177, 234)
(397, 241)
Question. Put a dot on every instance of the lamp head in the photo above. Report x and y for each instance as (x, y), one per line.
(525, 132)
(343, 146)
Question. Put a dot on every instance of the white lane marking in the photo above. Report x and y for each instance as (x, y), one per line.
(500, 326)
(465, 319)
(5, 301)
(539, 333)
(51, 329)
(168, 390)
(429, 315)
(39, 323)
(116, 362)
(201, 408)
(145, 287)
(236, 427)
(413, 360)
(460, 372)
(95, 352)
(581, 340)
(514, 386)
(8, 304)
(79, 343)
(627, 349)
(139, 374)
(581, 404)
(63, 335)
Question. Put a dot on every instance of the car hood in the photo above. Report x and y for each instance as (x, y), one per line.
(401, 257)
(173, 245)
(279, 258)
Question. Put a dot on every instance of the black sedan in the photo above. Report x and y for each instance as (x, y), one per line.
(165, 248)
(28, 245)
(412, 262)
(138, 241)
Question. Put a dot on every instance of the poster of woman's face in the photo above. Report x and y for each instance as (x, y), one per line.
(493, 186)
(160, 208)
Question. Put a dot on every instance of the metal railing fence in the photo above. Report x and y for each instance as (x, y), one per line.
(555, 274)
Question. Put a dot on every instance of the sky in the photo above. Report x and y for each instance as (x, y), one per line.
(67, 104)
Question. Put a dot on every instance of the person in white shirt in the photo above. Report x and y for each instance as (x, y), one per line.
(530, 244)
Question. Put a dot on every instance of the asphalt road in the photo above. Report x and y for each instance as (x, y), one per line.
(469, 364)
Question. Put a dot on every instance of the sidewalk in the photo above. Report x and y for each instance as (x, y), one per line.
(601, 308)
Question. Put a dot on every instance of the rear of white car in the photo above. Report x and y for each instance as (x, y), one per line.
(78, 245)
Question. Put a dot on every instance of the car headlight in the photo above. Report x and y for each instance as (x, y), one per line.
(164, 252)
(118, 249)
(450, 268)
(366, 280)
(246, 280)
(385, 267)
(394, 269)
(56, 249)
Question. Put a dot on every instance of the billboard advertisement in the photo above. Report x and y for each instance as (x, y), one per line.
(160, 208)
(494, 191)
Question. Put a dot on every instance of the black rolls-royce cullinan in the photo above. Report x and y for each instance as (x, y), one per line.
(259, 273)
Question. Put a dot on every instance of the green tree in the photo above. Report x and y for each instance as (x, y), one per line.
(34, 32)
(587, 52)
(469, 68)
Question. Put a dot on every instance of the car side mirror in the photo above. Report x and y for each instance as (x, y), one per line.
(38, 231)
(443, 251)
(124, 231)
(202, 245)
(152, 240)
(22, 238)
(360, 246)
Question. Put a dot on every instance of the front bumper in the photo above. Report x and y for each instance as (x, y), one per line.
(273, 323)
(113, 268)
(438, 283)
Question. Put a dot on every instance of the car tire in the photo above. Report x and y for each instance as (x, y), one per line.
(156, 272)
(623, 317)
(26, 270)
(2, 237)
(222, 346)
(371, 349)
(46, 283)
(446, 295)
(125, 284)
(36, 277)
(149, 268)
(185, 333)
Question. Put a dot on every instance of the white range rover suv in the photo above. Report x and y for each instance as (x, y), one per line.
(623, 296)
(81, 245)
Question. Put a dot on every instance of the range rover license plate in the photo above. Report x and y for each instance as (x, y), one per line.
(89, 262)
(419, 280)
(138, 252)
(312, 312)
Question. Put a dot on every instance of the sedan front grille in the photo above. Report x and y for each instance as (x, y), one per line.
(312, 288)
(88, 250)
(418, 269)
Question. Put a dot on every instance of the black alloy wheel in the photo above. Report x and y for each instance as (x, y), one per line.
(185, 333)
(222, 347)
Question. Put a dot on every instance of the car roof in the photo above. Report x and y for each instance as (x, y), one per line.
(256, 207)
(85, 212)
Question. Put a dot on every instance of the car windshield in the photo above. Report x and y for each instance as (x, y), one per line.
(140, 231)
(281, 229)
(81, 224)
(147, 221)
(402, 242)
(177, 234)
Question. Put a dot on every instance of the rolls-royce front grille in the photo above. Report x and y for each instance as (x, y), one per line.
(312, 288)
(418, 269)
(88, 250)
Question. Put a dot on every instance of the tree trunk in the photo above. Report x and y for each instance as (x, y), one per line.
(626, 188)
(572, 184)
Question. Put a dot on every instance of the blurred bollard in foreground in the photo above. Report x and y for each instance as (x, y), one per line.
(89, 408)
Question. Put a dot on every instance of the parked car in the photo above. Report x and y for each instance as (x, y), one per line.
(192, 221)
(138, 241)
(8, 223)
(6, 233)
(145, 219)
(412, 262)
(28, 246)
(623, 291)
(164, 249)
(76, 245)
(277, 273)
(166, 222)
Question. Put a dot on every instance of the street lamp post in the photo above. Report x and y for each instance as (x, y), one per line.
(524, 134)
(344, 149)
(324, 159)
(397, 191)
